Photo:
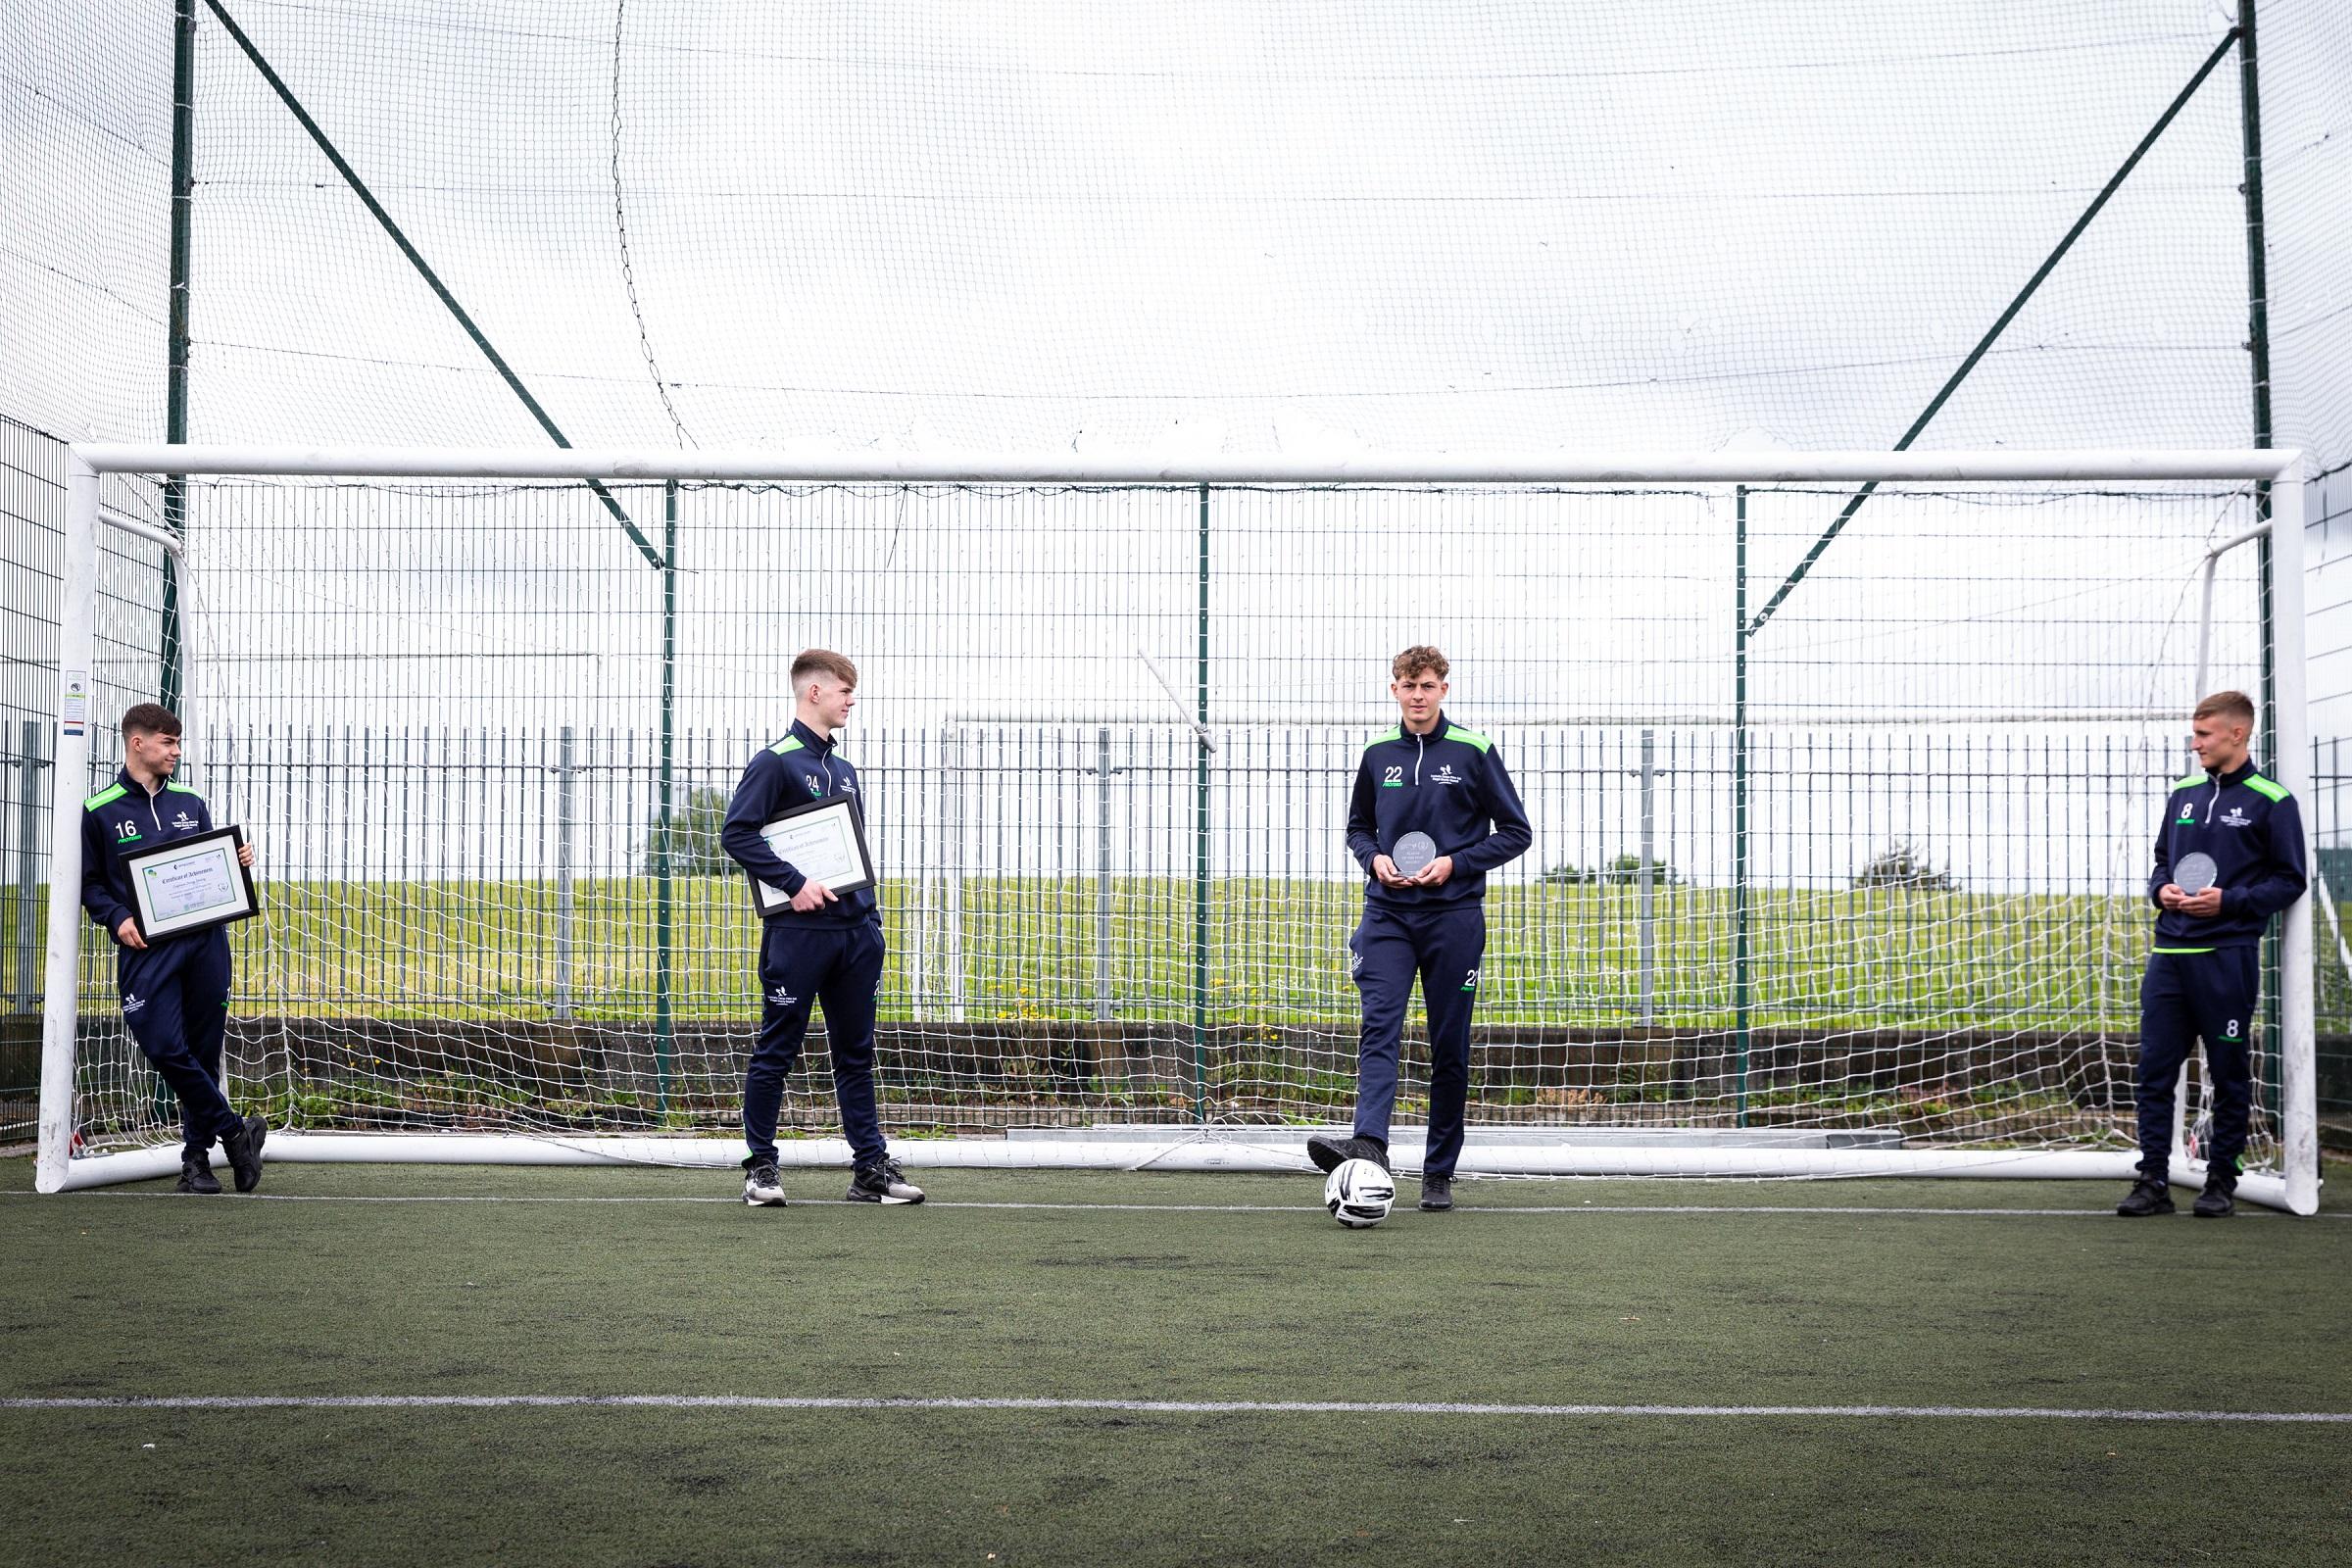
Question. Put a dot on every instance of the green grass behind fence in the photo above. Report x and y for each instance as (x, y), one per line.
(1034, 949)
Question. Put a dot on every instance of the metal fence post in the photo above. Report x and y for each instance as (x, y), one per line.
(28, 825)
(1103, 1011)
(666, 863)
(1200, 857)
(1648, 901)
(564, 912)
(1741, 976)
(957, 835)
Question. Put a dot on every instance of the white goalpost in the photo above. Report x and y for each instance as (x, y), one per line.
(1844, 768)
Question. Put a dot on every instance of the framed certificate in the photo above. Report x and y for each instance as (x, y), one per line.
(189, 884)
(824, 840)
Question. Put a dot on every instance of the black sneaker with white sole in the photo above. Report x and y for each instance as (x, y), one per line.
(882, 1182)
(196, 1174)
(1329, 1153)
(763, 1187)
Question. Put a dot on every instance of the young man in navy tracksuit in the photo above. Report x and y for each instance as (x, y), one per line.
(1427, 775)
(825, 949)
(174, 990)
(2205, 973)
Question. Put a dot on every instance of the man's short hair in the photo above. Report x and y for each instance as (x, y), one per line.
(2227, 705)
(1416, 658)
(820, 661)
(149, 719)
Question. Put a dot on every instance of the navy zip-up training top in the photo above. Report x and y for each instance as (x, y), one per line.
(122, 817)
(802, 766)
(2253, 829)
(1448, 784)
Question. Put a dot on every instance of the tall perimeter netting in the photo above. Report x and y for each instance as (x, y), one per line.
(913, 225)
(1863, 872)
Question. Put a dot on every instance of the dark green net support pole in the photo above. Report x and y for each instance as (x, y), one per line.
(1739, 636)
(171, 655)
(1201, 838)
(665, 868)
(2258, 349)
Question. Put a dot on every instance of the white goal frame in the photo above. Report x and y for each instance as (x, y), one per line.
(2295, 1188)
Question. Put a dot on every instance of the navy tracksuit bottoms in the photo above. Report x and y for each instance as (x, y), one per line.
(175, 1004)
(1441, 943)
(840, 968)
(2184, 996)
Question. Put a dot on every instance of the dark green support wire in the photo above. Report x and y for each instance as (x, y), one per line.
(2257, 348)
(1200, 842)
(169, 651)
(1985, 344)
(664, 868)
(449, 301)
(1739, 637)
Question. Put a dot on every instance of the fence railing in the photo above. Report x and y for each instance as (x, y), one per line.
(1898, 881)
(1057, 865)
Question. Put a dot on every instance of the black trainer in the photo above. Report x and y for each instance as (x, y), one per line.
(882, 1182)
(244, 1150)
(2150, 1195)
(2216, 1202)
(1329, 1153)
(196, 1174)
(1437, 1194)
(763, 1187)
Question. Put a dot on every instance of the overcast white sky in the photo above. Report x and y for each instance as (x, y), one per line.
(915, 224)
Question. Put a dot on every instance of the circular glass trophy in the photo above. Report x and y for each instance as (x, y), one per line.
(2195, 872)
(1413, 852)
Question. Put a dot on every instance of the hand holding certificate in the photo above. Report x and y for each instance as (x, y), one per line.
(825, 841)
(189, 884)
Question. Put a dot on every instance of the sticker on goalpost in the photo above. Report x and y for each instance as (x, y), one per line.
(74, 715)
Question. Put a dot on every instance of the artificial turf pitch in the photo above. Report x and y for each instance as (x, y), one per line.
(673, 1289)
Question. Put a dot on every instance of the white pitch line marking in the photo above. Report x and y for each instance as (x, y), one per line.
(745, 1402)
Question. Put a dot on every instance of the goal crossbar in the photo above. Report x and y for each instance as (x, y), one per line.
(1732, 466)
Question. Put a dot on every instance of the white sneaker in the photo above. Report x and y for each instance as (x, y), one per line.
(883, 1183)
(763, 1187)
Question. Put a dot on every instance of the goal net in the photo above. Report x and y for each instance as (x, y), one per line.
(1842, 771)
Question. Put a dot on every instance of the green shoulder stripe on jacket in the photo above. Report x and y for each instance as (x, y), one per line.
(2265, 788)
(2191, 782)
(1396, 734)
(179, 789)
(106, 795)
(1470, 737)
(787, 746)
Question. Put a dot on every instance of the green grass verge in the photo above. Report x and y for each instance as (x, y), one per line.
(122, 1293)
(1841, 959)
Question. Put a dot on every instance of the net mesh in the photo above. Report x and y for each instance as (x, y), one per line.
(1468, 224)
(438, 709)
(1462, 225)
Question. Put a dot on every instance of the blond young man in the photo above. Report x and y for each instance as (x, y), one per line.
(824, 949)
(2204, 973)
